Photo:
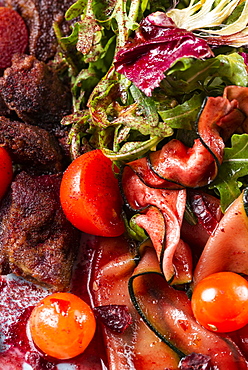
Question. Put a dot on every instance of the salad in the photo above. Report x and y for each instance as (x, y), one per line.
(153, 181)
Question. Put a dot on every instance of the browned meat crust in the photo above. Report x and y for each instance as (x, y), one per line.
(4, 110)
(36, 240)
(34, 148)
(34, 92)
(39, 16)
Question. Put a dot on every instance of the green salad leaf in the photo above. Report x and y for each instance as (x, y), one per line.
(233, 69)
(232, 170)
(183, 116)
(111, 113)
(212, 75)
(134, 231)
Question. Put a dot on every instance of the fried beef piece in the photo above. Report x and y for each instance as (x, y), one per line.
(34, 92)
(36, 240)
(39, 16)
(4, 110)
(34, 148)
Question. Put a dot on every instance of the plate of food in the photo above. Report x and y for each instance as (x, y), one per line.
(123, 185)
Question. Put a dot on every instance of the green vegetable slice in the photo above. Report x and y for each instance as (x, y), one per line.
(167, 312)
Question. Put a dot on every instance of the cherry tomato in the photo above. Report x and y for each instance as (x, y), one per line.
(62, 325)
(220, 302)
(90, 195)
(13, 35)
(6, 171)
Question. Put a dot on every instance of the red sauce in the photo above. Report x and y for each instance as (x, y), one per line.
(17, 299)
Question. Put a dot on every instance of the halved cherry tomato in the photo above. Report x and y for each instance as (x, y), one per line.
(13, 35)
(90, 195)
(6, 171)
(220, 302)
(62, 325)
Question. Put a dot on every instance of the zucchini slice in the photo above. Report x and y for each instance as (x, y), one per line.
(144, 171)
(227, 248)
(167, 312)
(137, 347)
(189, 167)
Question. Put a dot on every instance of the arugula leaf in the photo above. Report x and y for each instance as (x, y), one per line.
(132, 150)
(183, 116)
(141, 115)
(233, 168)
(233, 69)
(188, 74)
(146, 108)
(184, 78)
(135, 232)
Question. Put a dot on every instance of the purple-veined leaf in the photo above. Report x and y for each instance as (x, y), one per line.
(157, 45)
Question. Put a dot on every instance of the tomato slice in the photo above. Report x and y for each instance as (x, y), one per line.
(13, 35)
(6, 171)
(62, 325)
(220, 302)
(90, 195)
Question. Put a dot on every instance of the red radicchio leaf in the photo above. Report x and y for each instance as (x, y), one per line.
(245, 56)
(158, 44)
(207, 210)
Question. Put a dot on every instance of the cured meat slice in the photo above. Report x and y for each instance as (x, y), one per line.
(190, 167)
(142, 168)
(171, 204)
(218, 120)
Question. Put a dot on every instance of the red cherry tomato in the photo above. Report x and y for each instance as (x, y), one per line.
(6, 171)
(220, 302)
(62, 325)
(90, 195)
(13, 35)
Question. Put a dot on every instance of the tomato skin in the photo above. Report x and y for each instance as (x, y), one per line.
(6, 171)
(13, 35)
(90, 195)
(62, 325)
(220, 302)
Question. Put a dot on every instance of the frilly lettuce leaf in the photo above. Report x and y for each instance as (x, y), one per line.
(232, 170)
(141, 115)
(221, 22)
(212, 16)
